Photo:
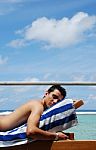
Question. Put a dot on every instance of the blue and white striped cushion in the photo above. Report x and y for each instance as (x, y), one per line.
(59, 117)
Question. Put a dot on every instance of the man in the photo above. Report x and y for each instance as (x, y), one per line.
(31, 112)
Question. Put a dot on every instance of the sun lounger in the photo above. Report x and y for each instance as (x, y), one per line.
(59, 117)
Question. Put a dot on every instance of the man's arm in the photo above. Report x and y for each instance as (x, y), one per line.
(34, 132)
(32, 128)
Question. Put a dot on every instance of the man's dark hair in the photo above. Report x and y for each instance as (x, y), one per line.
(58, 87)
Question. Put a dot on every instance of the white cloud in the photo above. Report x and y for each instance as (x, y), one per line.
(3, 60)
(4, 11)
(92, 97)
(8, 6)
(17, 43)
(24, 88)
(78, 77)
(58, 33)
(3, 101)
(10, 1)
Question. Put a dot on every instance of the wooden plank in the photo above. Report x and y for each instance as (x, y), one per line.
(56, 145)
(18, 83)
(74, 145)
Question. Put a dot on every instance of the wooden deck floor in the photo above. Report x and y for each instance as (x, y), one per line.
(56, 145)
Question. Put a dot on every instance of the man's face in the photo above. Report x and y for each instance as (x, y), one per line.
(53, 97)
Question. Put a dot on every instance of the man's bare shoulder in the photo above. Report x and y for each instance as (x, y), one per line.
(36, 101)
(36, 104)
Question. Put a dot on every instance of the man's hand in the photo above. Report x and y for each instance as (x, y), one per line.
(61, 136)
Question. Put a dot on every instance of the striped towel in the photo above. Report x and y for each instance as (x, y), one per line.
(58, 117)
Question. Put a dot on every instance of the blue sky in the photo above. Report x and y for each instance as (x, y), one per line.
(47, 40)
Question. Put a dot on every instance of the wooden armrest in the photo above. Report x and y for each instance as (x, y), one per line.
(78, 103)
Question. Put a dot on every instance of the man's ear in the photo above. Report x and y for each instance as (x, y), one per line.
(46, 93)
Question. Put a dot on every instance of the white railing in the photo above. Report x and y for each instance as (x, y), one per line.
(18, 83)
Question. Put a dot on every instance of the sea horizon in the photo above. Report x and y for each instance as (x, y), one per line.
(86, 111)
(78, 112)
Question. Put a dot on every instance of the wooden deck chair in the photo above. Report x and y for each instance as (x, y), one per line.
(60, 121)
(78, 103)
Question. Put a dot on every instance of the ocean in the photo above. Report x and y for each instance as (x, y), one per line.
(86, 128)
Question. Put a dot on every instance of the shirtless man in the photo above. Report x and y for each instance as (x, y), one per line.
(31, 112)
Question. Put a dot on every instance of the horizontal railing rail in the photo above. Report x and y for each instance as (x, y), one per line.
(18, 83)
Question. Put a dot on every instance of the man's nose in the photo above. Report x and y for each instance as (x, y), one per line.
(55, 100)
